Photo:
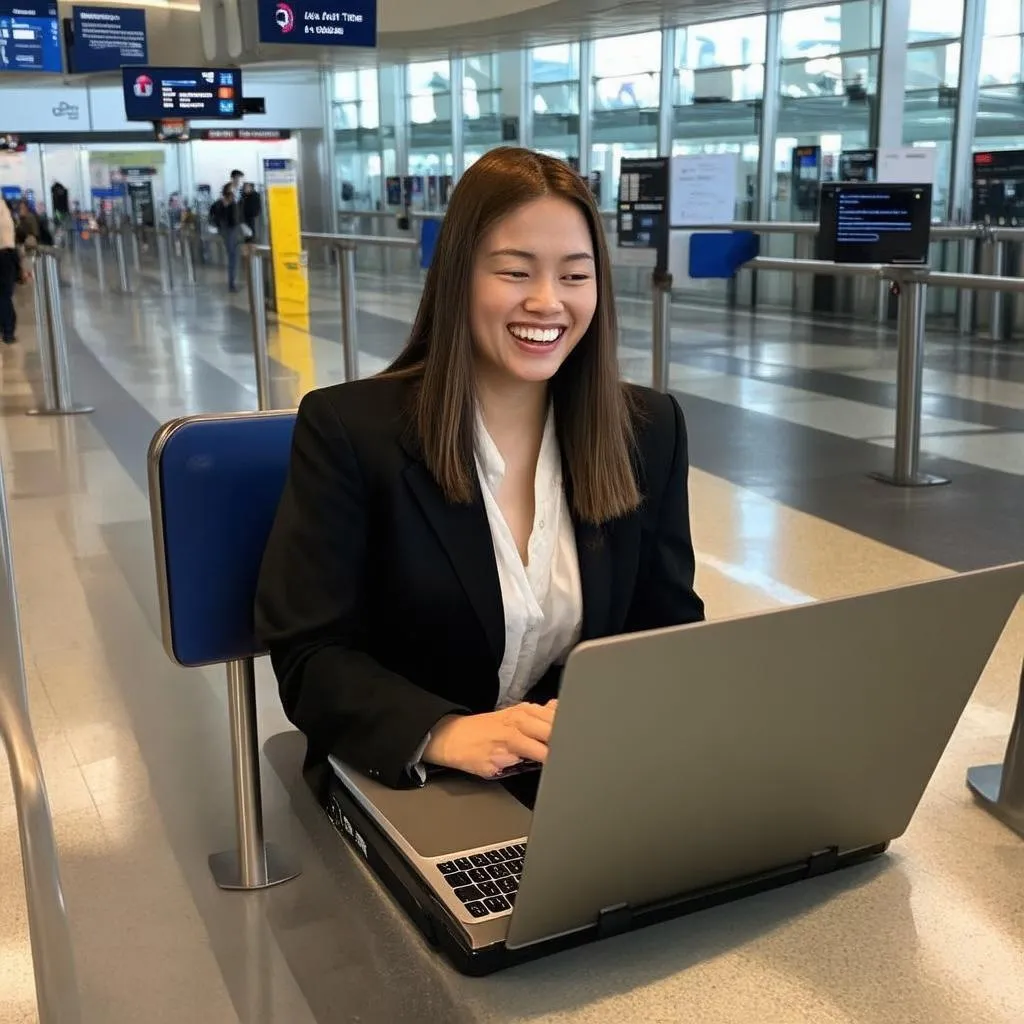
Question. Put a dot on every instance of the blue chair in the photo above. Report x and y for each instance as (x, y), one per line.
(214, 486)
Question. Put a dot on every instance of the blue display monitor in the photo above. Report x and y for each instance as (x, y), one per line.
(107, 38)
(30, 36)
(318, 22)
(155, 94)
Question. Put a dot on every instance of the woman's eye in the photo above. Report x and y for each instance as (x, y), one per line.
(576, 278)
(517, 275)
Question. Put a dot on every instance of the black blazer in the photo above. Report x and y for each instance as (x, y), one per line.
(379, 600)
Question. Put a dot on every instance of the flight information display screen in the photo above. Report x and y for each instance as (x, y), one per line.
(156, 94)
(30, 36)
(862, 223)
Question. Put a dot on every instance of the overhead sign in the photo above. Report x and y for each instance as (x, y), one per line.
(318, 22)
(155, 94)
(30, 36)
(107, 38)
(703, 189)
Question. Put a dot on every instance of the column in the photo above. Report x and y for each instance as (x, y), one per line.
(892, 74)
(769, 119)
(959, 211)
(332, 192)
(666, 107)
(586, 103)
(457, 69)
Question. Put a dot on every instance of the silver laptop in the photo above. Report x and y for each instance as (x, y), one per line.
(690, 766)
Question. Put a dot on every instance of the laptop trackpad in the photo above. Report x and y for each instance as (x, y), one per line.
(449, 814)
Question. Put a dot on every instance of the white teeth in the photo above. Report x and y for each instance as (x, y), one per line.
(537, 334)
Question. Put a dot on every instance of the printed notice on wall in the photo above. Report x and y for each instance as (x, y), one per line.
(703, 189)
(907, 165)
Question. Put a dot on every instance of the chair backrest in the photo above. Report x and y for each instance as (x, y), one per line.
(215, 482)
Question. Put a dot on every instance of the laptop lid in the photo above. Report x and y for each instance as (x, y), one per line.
(699, 755)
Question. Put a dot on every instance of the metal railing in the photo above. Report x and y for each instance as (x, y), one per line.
(345, 246)
(49, 935)
(910, 285)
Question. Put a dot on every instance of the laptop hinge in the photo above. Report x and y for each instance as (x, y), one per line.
(822, 862)
(614, 920)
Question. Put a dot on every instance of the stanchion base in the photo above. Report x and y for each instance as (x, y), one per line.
(918, 480)
(75, 410)
(985, 782)
(224, 868)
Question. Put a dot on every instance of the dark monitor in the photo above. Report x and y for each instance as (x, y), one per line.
(873, 223)
(159, 94)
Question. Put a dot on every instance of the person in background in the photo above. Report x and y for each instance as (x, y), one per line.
(252, 208)
(226, 217)
(10, 274)
(27, 230)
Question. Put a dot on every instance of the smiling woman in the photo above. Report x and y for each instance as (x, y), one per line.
(451, 528)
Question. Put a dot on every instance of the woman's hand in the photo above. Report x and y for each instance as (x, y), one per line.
(487, 744)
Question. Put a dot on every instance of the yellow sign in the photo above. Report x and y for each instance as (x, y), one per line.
(292, 345)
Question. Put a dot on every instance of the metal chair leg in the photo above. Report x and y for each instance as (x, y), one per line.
(999, 788)
(254, 864)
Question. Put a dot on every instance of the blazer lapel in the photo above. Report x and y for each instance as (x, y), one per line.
(465, 535)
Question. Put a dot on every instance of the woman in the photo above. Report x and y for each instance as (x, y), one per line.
(451, 528)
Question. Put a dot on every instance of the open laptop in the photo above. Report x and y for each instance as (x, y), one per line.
(690, 766)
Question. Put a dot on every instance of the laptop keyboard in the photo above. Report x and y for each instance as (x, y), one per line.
(486, 883)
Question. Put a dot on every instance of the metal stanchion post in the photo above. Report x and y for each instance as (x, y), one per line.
(882, 302)
(1000, 787)
(347, 280)
(122, 262)
(136, 250)
(909, 384)
(49, 936)
(965, 297)
(661, 337)
(164, 258)
(255, 864)
(998, 266)
(101, 269)
(258, 312)
(43, 336)
(188, 259)
(54, 346)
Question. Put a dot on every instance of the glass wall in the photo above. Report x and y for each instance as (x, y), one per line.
(428, 104)
(484, 123)
(933, 80)
(357, 139)
(555, 99)
(717, 95)
(626, 96)
(1000, 122)
(829, 90)
(398, 120)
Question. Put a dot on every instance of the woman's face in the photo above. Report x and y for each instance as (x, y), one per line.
(534, 291)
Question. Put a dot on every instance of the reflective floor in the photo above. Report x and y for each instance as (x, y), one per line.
(786, 418)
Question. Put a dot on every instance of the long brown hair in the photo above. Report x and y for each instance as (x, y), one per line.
(593, 413)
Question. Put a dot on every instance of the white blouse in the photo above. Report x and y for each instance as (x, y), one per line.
(543, 600)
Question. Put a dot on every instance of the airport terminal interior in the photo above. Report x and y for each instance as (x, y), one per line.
(789, 382)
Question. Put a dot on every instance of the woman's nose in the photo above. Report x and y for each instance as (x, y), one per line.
(544, 297)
